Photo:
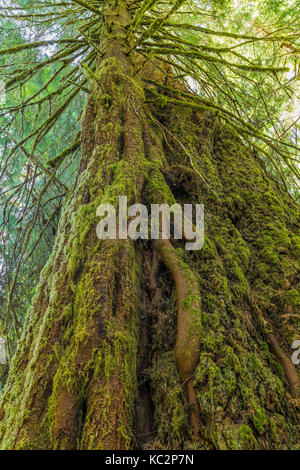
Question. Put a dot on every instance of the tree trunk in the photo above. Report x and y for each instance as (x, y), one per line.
(130, 344)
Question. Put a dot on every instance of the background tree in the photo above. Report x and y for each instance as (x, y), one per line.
(129, 344)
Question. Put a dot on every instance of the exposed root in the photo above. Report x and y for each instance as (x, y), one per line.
(195, 410)
(188, 324)
(65, 420)
(286, 363)
(289, 369)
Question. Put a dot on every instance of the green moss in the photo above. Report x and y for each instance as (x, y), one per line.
(241, 439)
(82, 338)
(170, 416)
(259, 418)
(292, 297)
(248, 248)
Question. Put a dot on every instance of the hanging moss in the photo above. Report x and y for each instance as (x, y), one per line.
(73, 382)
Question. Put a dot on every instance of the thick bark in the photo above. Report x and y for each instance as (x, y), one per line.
(102, 362)
(75, 371)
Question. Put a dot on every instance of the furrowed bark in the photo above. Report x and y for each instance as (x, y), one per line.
(180, 344)
(73, 389)
(188, 324)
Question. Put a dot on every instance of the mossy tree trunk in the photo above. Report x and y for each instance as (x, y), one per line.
(103, 363)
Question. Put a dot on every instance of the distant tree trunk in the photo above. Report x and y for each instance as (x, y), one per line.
(103, 362)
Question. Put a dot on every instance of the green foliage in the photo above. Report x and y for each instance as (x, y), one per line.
(232, 56)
